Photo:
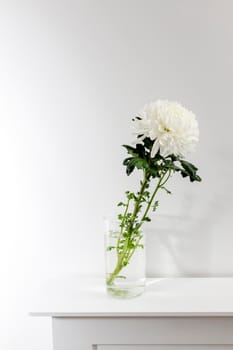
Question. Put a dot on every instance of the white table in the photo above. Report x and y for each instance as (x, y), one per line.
(179, 313)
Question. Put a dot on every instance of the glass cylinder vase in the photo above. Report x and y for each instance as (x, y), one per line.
(125, 261)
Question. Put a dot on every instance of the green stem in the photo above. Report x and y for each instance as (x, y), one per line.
(158, 186)
(126, 254)
(121, 257)
(138, 201)
(152, 197)
(123, 221)
(120, 264)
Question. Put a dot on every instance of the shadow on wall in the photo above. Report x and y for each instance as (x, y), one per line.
(176, 246)
(198, 241)
(181, 245)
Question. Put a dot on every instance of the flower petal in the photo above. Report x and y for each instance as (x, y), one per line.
(155, 148)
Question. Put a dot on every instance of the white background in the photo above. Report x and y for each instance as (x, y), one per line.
(72, 75)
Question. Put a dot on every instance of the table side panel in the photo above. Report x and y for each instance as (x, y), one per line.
(82, 333)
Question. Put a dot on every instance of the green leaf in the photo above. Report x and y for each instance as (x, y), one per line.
(198, 178)
(173, 157)
(189, 170)
(140, 246)
(109, 248)
(165, 189)
(147, 219)
(170, 165)
(121, 204)
(126, 161)
(148, 143)
(140, 149)
(131, 150)
(130, 195)
(155, 205)
(188, 166)
(140, 163)
(130, 168)
(154, 172)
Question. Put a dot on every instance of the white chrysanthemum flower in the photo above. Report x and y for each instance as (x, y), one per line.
(173, 128)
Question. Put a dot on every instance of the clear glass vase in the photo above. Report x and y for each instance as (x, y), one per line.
(125, 262)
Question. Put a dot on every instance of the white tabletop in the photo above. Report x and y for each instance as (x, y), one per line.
(163, 297)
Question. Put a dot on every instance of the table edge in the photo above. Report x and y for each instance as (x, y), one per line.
(130, 314)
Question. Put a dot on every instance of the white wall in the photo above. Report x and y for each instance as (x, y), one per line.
(72, 74)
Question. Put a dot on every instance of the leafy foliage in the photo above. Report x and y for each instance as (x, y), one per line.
(137, 205)
(140, 158)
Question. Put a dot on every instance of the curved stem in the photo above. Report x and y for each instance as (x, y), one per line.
(138, 201)
(169, 174)
(123, 221)
(158, 186)
(152, 197)
(127, 252)
(121, 256)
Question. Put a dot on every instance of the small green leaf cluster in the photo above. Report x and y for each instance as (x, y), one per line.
(140, 158)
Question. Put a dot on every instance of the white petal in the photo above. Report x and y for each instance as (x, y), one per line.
(155, 148)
